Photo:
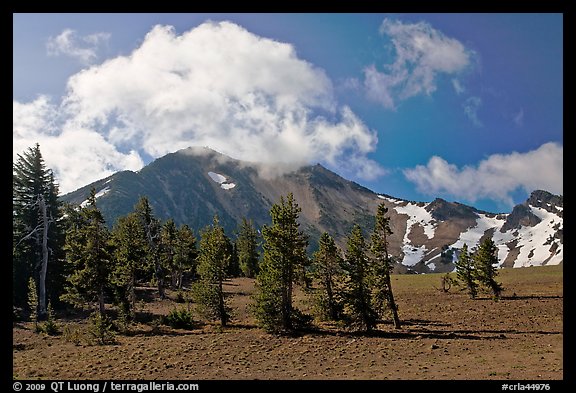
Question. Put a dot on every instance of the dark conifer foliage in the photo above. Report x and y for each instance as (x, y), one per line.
(247, 248)
(213, 260)
(129, 252)
(485, 264)
(358, 298)
(327, 270)
(89, 254)
(382, 292)
(152, 229)
(184, 261)
(284, 253)
(37, 233)
(465, 271)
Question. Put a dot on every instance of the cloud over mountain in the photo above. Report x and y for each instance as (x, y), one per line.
(495, 177)
(216, 85)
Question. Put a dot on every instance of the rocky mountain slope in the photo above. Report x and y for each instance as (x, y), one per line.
(192, 185)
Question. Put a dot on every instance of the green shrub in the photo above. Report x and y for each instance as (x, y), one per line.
(101, 329)
(180, 318)
(73, 335)
(180, 296)
(49, 327)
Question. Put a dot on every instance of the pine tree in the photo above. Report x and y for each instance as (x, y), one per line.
(465, 271)
(33, 302)
(129, 257)
(88, 251)
(383, 294)
(234, 264)
(185, 254)
(357, 294)
(213, 260)
(485, 263)
(36, 231)
(284, 253)
(247, 248)
(168, 244)
(151, 226)
(327, 269)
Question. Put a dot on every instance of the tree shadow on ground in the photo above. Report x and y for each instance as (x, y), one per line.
(519, 297)
(403, 334)
(416, 322)
(524, 297)
(163, 330)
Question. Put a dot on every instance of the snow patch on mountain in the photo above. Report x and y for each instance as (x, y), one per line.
(218, 178)
(102, 192)
(391, 200)
(99, 194)
(222, 180)
(412, 254)
(472, 236)
(417, 215)
(535, 242)
(538, 240)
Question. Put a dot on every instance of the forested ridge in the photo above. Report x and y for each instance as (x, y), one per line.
(66, 257)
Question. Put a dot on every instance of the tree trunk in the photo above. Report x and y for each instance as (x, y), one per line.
(287, 300)
(330, 295)
(180, 277)
(101, 305)
(44, 265)
(160, 281)
(392, 303)
(221, 305)
(133, 296)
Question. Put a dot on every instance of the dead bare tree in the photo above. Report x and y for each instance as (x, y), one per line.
(43, 227)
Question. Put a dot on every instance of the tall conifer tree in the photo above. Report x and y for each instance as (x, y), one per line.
(327, 268)
(465, 271)
(247, 247)
(88, 251)
(186, 253)
(37, 235)
(358, 297)
(485, 263)
(129, 258)
(383, 294)
(284, 253)
(213, 259)
(151, 226)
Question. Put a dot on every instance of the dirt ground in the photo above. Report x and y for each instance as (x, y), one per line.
(444, 336)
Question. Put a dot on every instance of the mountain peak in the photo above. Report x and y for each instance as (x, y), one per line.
(547, 201)
(193, 184)
(443, 210)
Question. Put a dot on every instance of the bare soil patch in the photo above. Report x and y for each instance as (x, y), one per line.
(444, 336)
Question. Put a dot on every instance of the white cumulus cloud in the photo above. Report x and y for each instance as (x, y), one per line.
(77, 156)
(495, 177)
(421, 54)
(216, 85)
(82, 48)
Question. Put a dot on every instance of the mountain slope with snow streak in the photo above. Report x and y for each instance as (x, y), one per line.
(193, 185)
(529, 236)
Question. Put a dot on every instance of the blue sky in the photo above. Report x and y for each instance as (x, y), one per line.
(467, 107)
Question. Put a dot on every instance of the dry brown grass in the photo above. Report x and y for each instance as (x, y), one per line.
(444, 336)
